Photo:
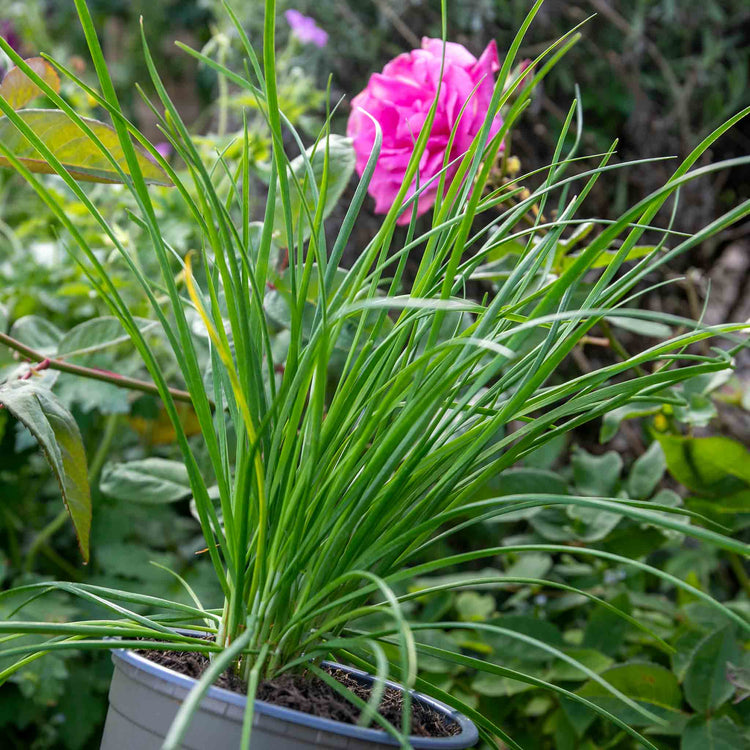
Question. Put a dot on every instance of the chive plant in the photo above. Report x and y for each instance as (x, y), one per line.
(332, 486)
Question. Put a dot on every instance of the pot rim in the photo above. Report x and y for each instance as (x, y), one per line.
(467, 737)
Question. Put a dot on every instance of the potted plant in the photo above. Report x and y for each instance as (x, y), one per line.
(348, 420)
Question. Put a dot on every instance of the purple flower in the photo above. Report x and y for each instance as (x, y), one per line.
(8, 33)
(305, 29)
(164, 148)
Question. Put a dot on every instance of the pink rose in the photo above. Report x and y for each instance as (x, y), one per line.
(400, 97)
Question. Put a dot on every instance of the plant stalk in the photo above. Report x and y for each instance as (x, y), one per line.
(92, 373)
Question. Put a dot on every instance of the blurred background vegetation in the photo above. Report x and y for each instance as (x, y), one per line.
(658, 75)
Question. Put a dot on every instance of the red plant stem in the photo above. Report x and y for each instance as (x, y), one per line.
(91, 373)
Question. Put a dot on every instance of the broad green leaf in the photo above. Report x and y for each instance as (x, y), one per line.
(149, 480)
(647, 472)
(82, 708)
(592, 524)
(18, 90)
(37, 333)
(612, 419)
(565, 733)
(596, 475)
(85, 344)
(72, 147)
(623, 541)
(595, 660)
(698, 410)
(701, 614)
(97, 334)
(605, 258)
(282, 282)
(672, 500)
(474, 607)
(703, 733)
(545, 455)
(341, 162)
(530, 566)
(685, 642)
(731, 510)
(523, 481)
(642, 327)
(44, 680)
(605, 631)
(706, 683)
(505, 648)
(89, 395)
(712, 465)
(653, 686)
(3, 318)
(510, 247)
(57, 434)
(494, 686)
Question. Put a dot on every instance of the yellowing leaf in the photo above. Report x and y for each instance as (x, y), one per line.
(19, 90)
(73, 148)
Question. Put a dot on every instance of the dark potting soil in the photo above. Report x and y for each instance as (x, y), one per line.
(309, 694)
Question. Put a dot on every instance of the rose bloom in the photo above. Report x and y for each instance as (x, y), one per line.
(400, 98)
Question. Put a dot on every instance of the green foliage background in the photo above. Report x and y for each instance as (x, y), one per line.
(661, 81)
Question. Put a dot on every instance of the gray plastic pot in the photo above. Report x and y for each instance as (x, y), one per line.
(144, 698)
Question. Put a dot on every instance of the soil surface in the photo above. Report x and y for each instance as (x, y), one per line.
(303, 692)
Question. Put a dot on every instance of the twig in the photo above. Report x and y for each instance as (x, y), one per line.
(398, 23)
(91, 373)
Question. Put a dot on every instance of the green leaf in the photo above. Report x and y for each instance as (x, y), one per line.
(341, 160)
(596, 475)
(710, 466)
(647, 472)
(605, 258)
(44, 680)
(731, 510)
(652, 686)
(57, 433)
(605, 631)
(642, 327)
(496, 685)
(510, 247)
(507, 649)
(612, 419)
(149, 480)
(595, 660)
(97, 334)
(699, 410)
(685, 642)
(545, 455)
(592, 524)
(474, 607)
(706, 683)
(530, 566)
(72, 147)
(522, 481)
(3, 318)
(703, 733)
(88, 395)
(18, 89)
(37, 333)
